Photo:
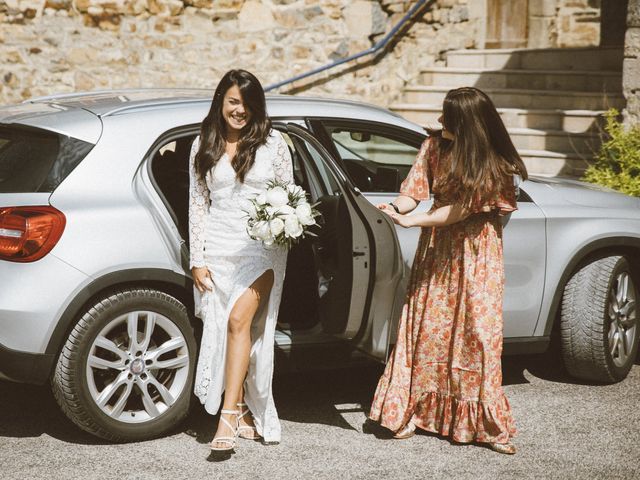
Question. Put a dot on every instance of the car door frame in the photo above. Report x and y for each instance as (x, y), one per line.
(373, 332)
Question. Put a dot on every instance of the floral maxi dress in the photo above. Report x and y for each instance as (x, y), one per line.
(444, 374)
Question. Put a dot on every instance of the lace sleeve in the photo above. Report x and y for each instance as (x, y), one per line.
(282, 164)
(198, 210)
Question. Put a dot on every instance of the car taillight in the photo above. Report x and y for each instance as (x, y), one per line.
(29, 233)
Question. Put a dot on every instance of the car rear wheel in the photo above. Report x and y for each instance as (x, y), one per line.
(599, 321)
(126, 370)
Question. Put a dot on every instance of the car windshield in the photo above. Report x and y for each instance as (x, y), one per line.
(34, 160)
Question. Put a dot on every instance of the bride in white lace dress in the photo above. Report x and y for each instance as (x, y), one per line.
(238, 282)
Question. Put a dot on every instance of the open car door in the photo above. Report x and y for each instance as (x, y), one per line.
(356, 252)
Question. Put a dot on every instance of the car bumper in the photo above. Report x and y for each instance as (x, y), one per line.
(525, 345)
(25, 367)
(32, 299)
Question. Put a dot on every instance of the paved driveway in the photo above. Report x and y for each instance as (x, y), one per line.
(567, 430)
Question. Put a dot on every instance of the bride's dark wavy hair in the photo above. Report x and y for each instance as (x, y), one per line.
(213, 133)
(481, 158)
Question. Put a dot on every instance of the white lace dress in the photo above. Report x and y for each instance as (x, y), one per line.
(219, 241)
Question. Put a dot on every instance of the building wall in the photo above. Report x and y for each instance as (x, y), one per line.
(49, 46)
(631, 66)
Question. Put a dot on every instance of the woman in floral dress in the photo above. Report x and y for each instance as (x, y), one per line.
(444, 375)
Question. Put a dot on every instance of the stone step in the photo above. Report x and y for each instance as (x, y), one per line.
(523, 98)
(577, 80)
(573, 121)
(589, 58)
(555, 141)
(540, 162)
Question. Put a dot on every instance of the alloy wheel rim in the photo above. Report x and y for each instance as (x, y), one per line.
(137, 367)
(623, 319)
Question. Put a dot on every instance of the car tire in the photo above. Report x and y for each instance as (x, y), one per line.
(599, 312)
(125, 390)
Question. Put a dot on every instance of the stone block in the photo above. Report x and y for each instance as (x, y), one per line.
(631, 75)
(632, 42)
(12, 56)
(364, 18)
(459, 14)
(633, 13)
(541, 32)
(83, 81)
(542, 8)
(135, 7)
(632, 111)
(58, 4)
(81, 55)
(255, 16)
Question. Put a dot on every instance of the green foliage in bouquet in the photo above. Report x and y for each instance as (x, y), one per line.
(618, 163)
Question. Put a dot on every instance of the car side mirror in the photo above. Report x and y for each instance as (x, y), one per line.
(386, 180)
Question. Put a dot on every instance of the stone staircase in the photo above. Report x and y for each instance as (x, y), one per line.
(551, 100)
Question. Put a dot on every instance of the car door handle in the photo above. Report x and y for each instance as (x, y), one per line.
(359, 254)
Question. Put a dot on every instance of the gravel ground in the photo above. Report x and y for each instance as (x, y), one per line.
(566, 430)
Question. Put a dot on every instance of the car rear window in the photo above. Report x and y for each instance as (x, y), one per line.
(34, 160)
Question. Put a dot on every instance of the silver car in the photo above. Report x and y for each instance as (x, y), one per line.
(95, 290)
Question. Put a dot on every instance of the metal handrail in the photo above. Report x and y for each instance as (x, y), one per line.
(381, 45)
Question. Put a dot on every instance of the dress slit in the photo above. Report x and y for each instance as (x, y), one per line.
(257, 385)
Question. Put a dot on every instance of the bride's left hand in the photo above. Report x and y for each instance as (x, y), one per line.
(403, 220)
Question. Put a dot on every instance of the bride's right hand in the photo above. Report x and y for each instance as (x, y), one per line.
(202, 279)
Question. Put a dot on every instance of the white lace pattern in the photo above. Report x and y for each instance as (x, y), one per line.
(219, 241)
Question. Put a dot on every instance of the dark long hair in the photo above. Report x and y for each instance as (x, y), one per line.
(481, 158)
(213, 133)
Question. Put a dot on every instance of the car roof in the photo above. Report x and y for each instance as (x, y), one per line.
(110, 102)
(69, 113)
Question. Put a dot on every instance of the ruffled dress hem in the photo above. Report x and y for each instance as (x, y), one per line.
(464, 421)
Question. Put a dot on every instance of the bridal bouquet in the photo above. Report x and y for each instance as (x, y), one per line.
(280, 215)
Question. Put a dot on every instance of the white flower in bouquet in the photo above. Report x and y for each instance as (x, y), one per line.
(277, 197)
(295, 190)
(305, 214)
(285, 210)
(261, 230)
(261, 199)
(280, 215)
(292, 227)
(276, 226)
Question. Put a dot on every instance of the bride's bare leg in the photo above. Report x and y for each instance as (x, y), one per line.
(239, 345)
(247, 420)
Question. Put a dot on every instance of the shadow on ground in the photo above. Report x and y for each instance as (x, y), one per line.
(320, 397)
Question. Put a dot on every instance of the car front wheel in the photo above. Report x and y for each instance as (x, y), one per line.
(126, 370)
(599, 321)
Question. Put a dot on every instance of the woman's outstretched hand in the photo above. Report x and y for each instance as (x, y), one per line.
(386, 208)
(202, 279)
(405, 221)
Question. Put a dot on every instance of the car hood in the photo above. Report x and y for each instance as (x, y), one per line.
(588, 194)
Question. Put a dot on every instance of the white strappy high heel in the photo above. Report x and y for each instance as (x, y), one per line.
(247, 432)
(229, 441)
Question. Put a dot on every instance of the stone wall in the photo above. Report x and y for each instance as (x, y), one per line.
(51, 46)
(631, 65)
(578, 23)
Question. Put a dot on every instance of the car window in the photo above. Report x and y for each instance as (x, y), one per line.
(314, 176)
(33, 160)
(170, 172)
(375, 161)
